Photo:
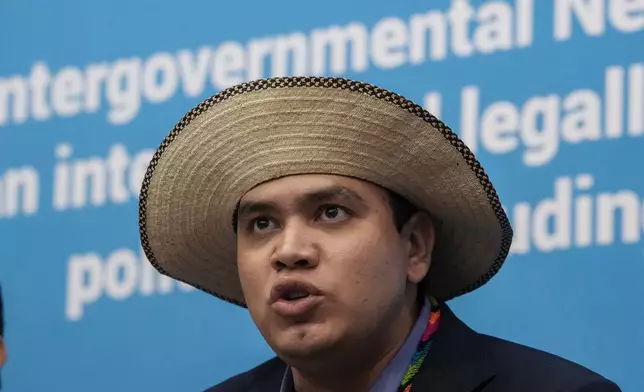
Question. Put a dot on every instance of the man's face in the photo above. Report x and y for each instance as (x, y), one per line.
(321, 262)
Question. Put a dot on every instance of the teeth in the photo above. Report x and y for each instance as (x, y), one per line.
(296, 295)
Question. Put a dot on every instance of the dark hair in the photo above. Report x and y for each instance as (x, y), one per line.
(401, 208)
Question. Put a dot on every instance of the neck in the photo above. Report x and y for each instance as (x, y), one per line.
(357, 367)
(341, 380)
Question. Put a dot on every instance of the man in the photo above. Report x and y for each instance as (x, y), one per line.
(3, 349)
(343, 216)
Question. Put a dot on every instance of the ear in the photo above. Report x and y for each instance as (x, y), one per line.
(420, 236)
(3, 352)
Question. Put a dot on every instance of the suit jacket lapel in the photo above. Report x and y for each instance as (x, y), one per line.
(269, 378)
(456, 362)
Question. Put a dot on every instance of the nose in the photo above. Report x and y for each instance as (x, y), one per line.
(295, 249)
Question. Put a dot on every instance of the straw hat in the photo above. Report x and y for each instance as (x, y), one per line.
(270, 128)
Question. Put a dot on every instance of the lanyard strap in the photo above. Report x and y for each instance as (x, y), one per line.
(422, 348)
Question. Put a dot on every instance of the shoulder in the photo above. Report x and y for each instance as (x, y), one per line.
(516, 364)
(264, 375)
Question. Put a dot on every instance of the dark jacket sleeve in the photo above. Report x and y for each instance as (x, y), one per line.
(600, 386)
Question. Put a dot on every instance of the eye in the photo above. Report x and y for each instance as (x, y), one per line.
(333, 212)
(261, 224)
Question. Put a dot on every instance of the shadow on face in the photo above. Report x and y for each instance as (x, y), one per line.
(333, 241)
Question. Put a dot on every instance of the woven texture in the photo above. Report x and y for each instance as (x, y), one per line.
(270, 128)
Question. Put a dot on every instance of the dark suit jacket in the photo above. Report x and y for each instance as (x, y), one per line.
(462, 360)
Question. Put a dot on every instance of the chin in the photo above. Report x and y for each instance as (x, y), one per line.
(301, 341)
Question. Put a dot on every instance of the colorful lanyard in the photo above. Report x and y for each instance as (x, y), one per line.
(422, 348)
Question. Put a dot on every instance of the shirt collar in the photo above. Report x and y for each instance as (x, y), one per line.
(391, 377)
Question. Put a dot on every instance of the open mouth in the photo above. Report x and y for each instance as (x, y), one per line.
(294, 295)
(291, 291)
(291, 298)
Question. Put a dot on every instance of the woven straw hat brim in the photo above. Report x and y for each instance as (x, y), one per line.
(266, 129)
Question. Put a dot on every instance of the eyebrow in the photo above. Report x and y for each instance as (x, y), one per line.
(316, 196)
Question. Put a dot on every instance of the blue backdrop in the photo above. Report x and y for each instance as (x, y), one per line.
(548, 93)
